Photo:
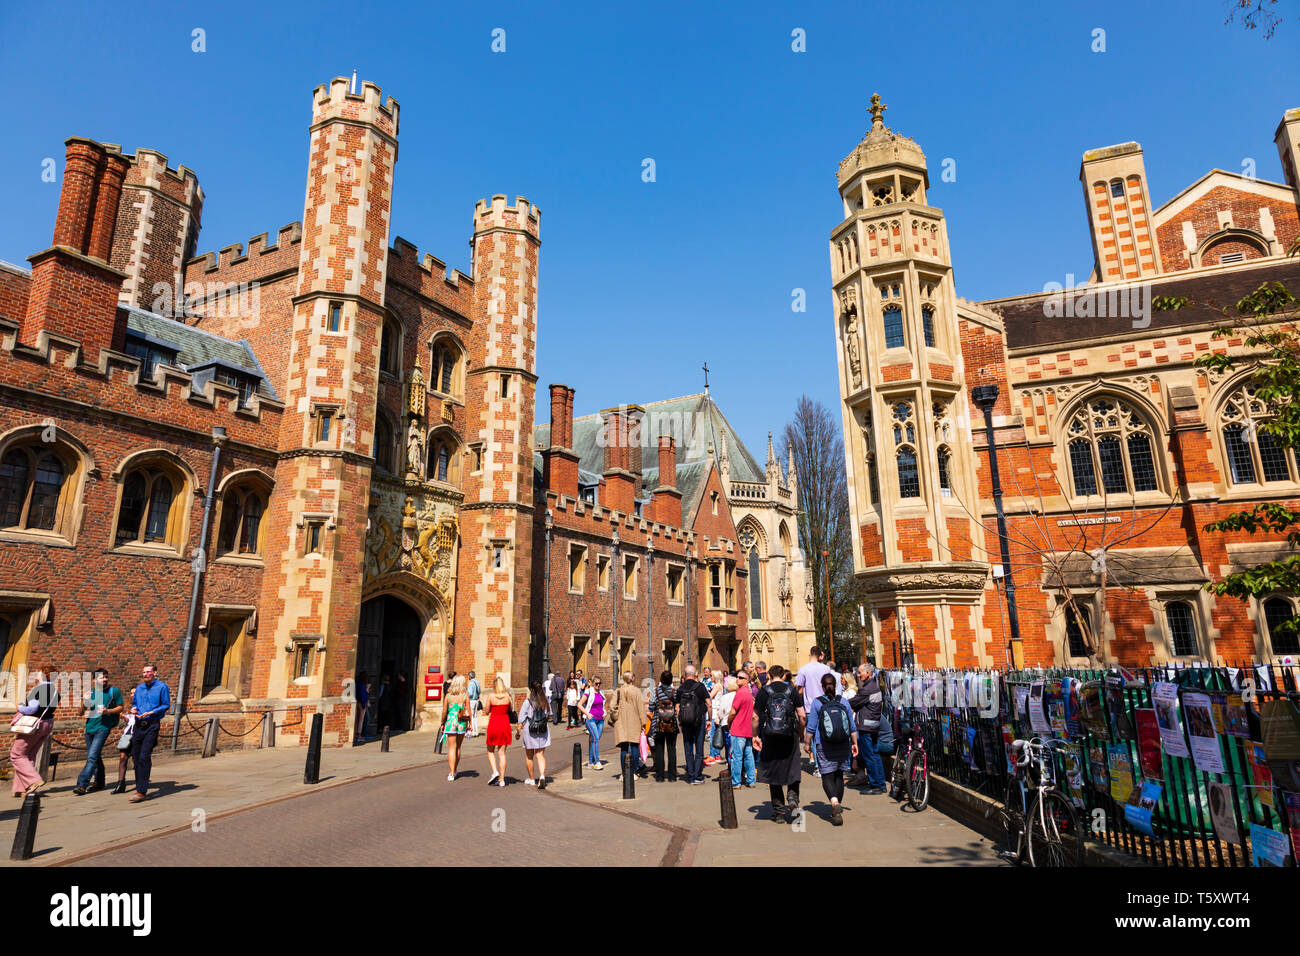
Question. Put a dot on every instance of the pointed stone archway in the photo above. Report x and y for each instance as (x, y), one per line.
(405, 626)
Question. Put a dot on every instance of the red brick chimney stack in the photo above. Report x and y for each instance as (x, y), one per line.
(559, 461)
(667, 499)
(622, 459)
(74, 291)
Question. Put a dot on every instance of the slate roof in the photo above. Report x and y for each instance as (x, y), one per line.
(1027, 325)
(693, 420)
(196, 348)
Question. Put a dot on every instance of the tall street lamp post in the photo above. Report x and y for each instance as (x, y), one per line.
(985, 397)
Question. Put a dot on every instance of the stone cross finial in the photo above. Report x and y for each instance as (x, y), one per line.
(877, 111)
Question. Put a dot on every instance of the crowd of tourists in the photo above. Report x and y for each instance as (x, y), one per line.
(759, 721)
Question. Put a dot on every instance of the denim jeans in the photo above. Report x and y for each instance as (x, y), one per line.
(94, 768)
(742, 761)
(870, 758)
(633, 748)
(594, 729)
(693, 747)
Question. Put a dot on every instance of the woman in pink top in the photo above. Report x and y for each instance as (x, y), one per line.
(741, 719)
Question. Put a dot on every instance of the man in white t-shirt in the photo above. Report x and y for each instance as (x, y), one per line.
(809, 680)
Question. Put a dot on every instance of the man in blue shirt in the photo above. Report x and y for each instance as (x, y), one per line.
(152, 700)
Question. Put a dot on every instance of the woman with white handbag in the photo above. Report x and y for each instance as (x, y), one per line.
(31, 725)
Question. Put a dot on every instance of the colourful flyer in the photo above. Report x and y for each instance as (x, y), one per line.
(1292, 801)
(1054, 703)
(1141, 805)
(1073, 760)
(1261, 776)
(1091, 712)
(1148, 734)
(1097, 767)
(1120, 765)
(1037, 714)
(1267, 847)
(1200, 731)
(1165, 699)
(1121, 726)
(1236, 721)
(1008, 737)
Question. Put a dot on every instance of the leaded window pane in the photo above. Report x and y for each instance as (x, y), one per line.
(215, 663)
(1112, 466)
(229, 524)
(252, 524)
(1141, 463)
(1074, 631)
(13, 487)
(1272, 458)
(1182, 628)
(893, 328)
(945, 484)
(131, 513)
(909, 479)
(927, 324)
(755, 588)
(160, 506)
(1277, 611)
(1085, 479)
(1239, 460)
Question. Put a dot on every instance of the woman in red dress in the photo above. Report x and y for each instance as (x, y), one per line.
(498, 731)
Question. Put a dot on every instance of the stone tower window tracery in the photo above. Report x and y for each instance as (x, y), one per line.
(904, 425)
(891, 304)
(1107, 437)
(1253, 455)
(869, 444)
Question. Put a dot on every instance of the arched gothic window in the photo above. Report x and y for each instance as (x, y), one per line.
(242, 508)
(909, 475)
(1253, 454)
(1107, 438)
(151, 509)
(445, 370)
(390, 347)
(35, 486)
(748, 540)
(891, 301)
(444, 458)
(385, 444)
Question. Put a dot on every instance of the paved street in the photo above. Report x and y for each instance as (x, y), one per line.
(399, 809)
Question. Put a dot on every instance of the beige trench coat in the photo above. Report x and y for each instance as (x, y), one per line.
(627, 710)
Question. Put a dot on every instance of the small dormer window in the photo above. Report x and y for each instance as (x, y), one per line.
(587, 493)
(150, 354)
(246, 385)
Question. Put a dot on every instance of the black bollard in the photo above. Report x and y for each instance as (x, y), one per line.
(25, 835)
(383, 743)
(54, 766)
(312, 773)
(577, 761)
(629, 776)
(727, 796)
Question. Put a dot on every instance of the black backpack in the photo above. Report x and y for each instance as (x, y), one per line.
(537, 721)
(836, 724)
(779, 719)
(688, 707)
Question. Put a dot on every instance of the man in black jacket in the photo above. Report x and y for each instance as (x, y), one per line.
(867, 705)
(693, 716)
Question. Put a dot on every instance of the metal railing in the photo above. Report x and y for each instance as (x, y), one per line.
(969, 718)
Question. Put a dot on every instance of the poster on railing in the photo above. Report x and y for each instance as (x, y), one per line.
(1121, 726)
(1071, 689)
(1233, 716)
(1141, 805)
(971, 733)
(1261, 777)
(1165, 698)
(1267, 847)
(1200, 731)
(1091, 712)
(1037, 715)
(1222, 813)
(1008, 737)
(1072, 757)
(1021, 694)
(945, 731)
(1292, 803)
(1054, 703)
(1280, 721)
(1148, 734)
(1097, 767)
(1120, 764)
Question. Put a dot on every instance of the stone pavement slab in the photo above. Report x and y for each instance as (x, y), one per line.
(70, 826)
(877, 831)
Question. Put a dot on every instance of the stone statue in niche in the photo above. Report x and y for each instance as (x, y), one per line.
(414, 450)
(849, 306)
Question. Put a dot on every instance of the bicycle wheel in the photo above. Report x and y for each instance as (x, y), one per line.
(918, 781)
(1055, 839)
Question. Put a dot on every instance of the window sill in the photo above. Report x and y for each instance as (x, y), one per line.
(445, 397)
(1120, 502)
(672, 603)
(302, 681)
(149, 551)
(576, 591)
(241, 560)
(49, 539)
(218, 695)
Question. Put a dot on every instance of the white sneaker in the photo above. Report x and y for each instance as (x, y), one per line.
(530, 782)
(493, 779)
(451, 776)
(501, 783)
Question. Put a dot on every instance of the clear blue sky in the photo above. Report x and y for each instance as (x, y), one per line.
(643, 282)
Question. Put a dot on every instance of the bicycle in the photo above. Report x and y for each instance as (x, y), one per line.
(1048, 833)
(909, 777)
